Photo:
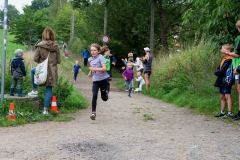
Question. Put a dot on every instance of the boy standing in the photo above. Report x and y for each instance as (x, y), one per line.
(85, 55)
(18, 72)
(224, 81)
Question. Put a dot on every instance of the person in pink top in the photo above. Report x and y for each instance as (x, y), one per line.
(128, 76)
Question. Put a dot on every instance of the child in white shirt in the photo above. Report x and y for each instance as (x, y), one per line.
(140, 81)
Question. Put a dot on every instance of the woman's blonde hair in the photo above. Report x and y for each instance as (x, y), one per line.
(48, 34)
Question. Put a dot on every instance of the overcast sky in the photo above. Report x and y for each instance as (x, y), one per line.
(19, 4)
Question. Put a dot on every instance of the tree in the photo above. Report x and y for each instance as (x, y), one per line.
(214, 20)
(62, 24)
(80, 4)
(12, 14)
(29, 26)
(40, 4)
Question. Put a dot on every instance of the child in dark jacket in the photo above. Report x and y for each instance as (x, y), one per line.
(224, 81)
(76, 69)
(18, 72)
(128, 76)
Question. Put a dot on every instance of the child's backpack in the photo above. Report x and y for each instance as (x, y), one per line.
(229, 74)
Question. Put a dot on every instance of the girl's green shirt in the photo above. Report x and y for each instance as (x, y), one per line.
(107, 59)
(236, 60)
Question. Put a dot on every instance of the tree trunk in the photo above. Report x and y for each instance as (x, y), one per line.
(105, 17)
(164, 29)
(152, 27)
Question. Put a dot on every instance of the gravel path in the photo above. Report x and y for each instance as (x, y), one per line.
(124, 130)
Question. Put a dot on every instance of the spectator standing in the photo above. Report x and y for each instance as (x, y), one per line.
(147, 61)
(85, 55)
(236, 68)
(48, 48)
(224, 81)
(18, 73)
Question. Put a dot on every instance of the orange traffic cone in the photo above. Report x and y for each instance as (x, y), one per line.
(11, 114)
(54, 107)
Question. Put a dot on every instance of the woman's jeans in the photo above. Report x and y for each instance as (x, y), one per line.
(34, 86)
(104, 88)
(48, 96)
(48, 91)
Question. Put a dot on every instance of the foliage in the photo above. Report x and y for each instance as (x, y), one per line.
(75, 101)
(215, 19)
(24, 34)
(80, 3)
(11, 14)
(78, 45)
(40, 4)
(62, 23)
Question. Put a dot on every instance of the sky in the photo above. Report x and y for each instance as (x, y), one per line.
(19, 4)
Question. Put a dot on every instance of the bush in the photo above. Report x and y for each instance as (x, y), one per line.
(78, 45)
(75, 101)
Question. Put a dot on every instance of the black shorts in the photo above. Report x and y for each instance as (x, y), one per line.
(225, 89)
(147, 73)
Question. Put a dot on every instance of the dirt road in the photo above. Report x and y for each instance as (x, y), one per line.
(124, 130)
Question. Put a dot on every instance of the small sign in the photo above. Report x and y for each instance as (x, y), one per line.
(105, 39)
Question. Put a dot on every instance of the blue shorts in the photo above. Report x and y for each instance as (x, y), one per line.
(225, 89)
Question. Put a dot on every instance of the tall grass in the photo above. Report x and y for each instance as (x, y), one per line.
(187, 79)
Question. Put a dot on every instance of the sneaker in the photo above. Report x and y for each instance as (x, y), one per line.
(137, 90)
(230, 115)
(236, 117)
(45, 111)
(33, 93)
(220, 115)
(93, 116)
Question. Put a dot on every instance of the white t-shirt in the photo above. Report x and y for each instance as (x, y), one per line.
(138, 64)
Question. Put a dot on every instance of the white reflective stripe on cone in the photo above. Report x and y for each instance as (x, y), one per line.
(54, 103)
